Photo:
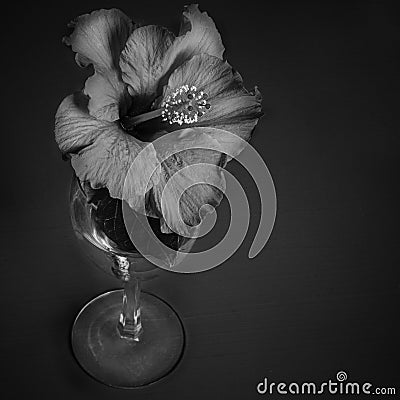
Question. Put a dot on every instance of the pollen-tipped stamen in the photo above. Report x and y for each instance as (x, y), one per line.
(183, 106)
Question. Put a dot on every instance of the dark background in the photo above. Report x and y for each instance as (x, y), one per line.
(323, 295)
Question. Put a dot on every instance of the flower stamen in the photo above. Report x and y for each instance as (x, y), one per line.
(185, 105)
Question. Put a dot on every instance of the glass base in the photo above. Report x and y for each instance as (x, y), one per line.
(125, 363)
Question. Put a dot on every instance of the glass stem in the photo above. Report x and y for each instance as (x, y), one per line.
(130, 325)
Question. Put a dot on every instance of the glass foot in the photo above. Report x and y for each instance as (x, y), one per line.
(125, 363)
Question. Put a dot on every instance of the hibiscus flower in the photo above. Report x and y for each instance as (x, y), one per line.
(147, 82)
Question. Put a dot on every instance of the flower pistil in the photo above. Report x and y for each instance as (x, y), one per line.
(185, 104)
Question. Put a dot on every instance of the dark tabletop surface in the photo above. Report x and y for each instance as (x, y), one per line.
(322, 297)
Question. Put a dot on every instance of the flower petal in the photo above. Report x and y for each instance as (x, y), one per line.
(198, 35)
(142, 63)
(152, 53)
(98, 38)
(233, 108)
(178, 150)
(101, 152)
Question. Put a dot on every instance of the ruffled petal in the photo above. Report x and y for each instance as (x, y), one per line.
(233, 108)
(185, 148)
(98, 38)
(101, 152)
(198, 35)
(152, 53)
(142, 63)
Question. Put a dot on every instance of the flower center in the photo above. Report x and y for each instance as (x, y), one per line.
(185, 105)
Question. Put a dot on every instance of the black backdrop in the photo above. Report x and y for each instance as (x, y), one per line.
(323, 296)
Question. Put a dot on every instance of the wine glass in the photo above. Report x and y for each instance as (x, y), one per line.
(124, 338)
